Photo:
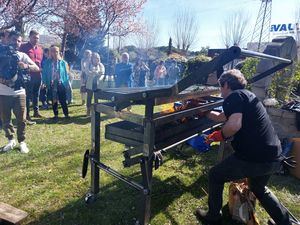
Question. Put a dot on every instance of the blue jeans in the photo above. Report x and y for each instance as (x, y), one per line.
(258, 175)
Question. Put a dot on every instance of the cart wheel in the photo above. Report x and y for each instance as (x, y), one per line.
(90, 198)
(85, 163)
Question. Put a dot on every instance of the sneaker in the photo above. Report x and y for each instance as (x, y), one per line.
(30, 122)
(67, 117)
(205, 217)
(11, 144)
(23, 147)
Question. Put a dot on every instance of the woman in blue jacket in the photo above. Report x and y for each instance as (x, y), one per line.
(55, 75)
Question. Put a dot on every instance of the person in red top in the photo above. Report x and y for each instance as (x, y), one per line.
(35, 52)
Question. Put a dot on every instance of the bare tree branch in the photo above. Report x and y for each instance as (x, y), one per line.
(234, 29)
(185, 29)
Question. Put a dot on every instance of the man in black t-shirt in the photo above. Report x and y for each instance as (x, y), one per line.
(256, 149)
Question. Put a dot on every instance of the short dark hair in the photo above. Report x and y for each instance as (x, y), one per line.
(46, 50)
(14, 33)
(234, 79)
(33, 32)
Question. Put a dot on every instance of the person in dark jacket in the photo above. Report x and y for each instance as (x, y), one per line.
(257, 149)
(123, 72)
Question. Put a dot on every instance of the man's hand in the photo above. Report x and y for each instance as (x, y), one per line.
(23, 65)
(214, 137)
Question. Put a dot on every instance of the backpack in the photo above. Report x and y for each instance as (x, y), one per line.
(242, 203)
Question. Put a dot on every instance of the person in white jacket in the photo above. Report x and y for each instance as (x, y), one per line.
(85, 63)
(95, 77)
(13, 98)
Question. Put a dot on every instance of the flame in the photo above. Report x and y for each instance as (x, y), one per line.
(167, 108)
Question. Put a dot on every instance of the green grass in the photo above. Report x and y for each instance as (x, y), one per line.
(47, 182)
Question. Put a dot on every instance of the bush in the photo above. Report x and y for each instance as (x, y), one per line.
(192, 67)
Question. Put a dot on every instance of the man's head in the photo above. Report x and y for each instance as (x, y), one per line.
(231, 80)
(125, 57)
(4, 35)
(15, 39)
(34, 37)
(46, 53)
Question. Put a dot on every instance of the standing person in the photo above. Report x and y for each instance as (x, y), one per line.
(95, 75)
(13, 98)
(173, 72)
(257, 149)
(136, 73)
(85, 63)
(160, 74)
(55, 76)
(44, 92)
(35, 52)
(123, 71)
(4, 36)
(143, 73)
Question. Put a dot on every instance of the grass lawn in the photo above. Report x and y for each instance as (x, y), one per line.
(47, 182)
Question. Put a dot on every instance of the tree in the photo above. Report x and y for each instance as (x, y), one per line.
(147, 36)
(185, 29)
(234, 29)
(17, 13)
(170, 46)
(92, 20)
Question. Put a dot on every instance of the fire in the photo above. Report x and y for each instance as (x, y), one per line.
(179, 106)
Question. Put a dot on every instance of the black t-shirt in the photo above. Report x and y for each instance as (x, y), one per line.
(256, 141)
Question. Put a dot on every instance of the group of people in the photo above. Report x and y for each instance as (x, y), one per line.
(257, 148)
(48, 72)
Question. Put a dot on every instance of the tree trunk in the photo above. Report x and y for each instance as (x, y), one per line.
(63, 43)
(19, 27)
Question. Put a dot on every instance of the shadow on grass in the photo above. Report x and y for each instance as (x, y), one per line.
(118, 204)
(285, 182)
(80, 119)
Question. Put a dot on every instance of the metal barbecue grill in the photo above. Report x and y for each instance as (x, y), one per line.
(144, 136)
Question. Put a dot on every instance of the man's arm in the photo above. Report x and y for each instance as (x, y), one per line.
(27, 63)
(216, 116)
(232, 125)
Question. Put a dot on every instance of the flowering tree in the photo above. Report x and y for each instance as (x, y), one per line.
(16, 13)
(92, 20)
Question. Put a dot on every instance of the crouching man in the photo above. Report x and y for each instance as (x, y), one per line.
(13, 98)
(257, 149)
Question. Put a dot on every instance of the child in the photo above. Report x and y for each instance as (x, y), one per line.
(55, 75)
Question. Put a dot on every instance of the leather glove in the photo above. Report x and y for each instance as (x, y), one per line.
(214, 137)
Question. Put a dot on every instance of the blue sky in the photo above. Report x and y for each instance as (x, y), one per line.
(211, 14)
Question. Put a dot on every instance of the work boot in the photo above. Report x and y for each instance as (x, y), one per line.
(10, 145)
(36, 114)
(205, 217)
